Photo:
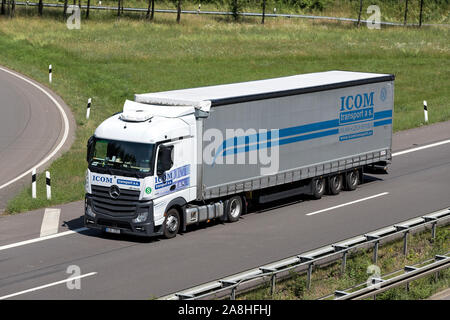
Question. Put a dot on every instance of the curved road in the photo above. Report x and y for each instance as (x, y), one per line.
(34, 128)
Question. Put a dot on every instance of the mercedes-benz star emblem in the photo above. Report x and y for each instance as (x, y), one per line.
(114, 192)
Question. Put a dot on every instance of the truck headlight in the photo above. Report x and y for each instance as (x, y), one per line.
(89, 210)
(142, 216)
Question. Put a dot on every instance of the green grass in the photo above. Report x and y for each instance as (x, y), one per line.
(110, 59)
(390, 258)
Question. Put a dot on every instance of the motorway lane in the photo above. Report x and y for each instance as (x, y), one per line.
(31, 126)
(133, 268)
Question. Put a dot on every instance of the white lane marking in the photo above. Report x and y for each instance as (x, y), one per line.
(48, 285)
(420, 148)
(61, 234)
(50, 222)
(348, 203)
(61, 143)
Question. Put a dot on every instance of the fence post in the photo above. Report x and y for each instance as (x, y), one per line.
(405, 243)
(425, 110)
(47, 182)
(375, 246)
(310, 267)
(375, 252)
(344, 262)
(344, 250)
(88, 109)
(433, 231)
(272, 284)
(233, 293)
(33, 183)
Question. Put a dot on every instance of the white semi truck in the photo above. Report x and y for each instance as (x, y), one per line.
(175, 158)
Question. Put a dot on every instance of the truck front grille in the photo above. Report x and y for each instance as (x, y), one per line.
(125, 205)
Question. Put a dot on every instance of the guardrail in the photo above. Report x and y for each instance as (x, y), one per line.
(227, 13)
(379, 285)
(248, 280)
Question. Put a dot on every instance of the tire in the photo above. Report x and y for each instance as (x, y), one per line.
(335, 184)
(171, 224)
(318, 188)
(234, 208)
(351, 180)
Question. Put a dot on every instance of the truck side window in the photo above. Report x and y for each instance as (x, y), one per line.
(165, 159)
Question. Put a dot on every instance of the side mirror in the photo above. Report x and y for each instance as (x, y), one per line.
(165, 161)
(90, 143)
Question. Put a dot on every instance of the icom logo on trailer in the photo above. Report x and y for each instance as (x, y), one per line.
(356, 108)
(360, 100)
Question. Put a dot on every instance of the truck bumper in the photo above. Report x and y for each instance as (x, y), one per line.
(123, 225)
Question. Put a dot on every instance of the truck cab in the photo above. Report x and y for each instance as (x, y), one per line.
(140, 165)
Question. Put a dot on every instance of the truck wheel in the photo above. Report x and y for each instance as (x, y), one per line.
(171, 223)
(318, 188)
(335, 184)
(234, 208)
(351, 180)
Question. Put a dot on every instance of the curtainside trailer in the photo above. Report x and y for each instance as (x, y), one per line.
(175, 158)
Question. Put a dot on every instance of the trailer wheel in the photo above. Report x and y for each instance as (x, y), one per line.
(335, 184)
(318, 188)
(234, 208)
(171, 223)
(351, 180)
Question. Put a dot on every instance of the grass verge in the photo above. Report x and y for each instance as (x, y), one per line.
(390, 258)
(110, 59)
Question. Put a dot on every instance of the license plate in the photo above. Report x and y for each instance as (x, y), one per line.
(111, 230)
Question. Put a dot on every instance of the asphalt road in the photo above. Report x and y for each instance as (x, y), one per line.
(119, 267)
(31, 128)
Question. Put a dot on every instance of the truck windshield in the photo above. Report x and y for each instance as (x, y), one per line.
(127, 156)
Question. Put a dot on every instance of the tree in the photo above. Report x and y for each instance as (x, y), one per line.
(151, 9)
(2, 10)
(264, 11)
(118, 8)
(87, 9)
(360, 11)
(420, 17)
(65, 9)
(40, 7)
(235, 8)
(178, 11)
(406, 12)
(13, 8)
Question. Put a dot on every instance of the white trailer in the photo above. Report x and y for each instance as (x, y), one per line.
(176, 158)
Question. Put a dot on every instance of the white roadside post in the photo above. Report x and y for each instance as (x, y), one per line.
(33, 183)
(50, 73)
(425, 110)
(47, 182)
(88, 109)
